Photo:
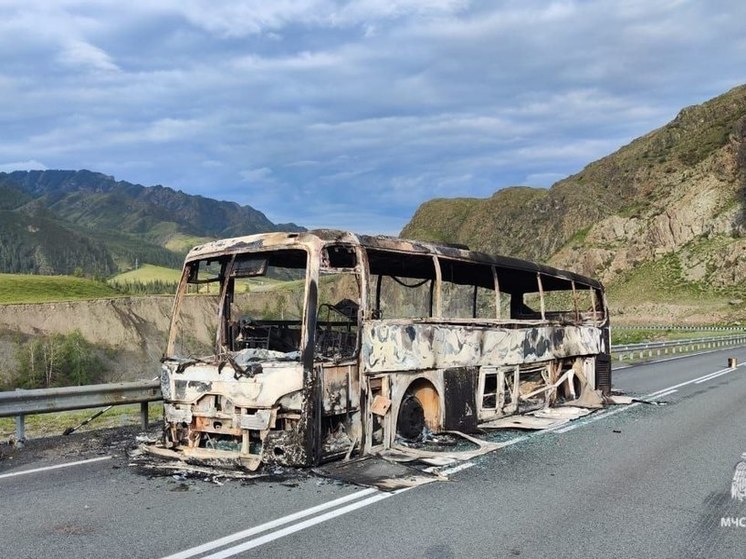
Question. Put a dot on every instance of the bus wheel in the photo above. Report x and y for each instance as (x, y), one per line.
(411, 419)
(419, 408)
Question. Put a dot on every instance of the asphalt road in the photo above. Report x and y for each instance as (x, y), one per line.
(635, 481)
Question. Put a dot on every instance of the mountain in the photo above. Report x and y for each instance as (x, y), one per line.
(664, 214)
(62, 221)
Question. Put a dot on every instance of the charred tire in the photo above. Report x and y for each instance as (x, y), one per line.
(411, 419)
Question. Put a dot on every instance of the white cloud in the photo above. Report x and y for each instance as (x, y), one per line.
(77, 54)
(30, 165)
(335, 113)
(264, 174)
(239, 19)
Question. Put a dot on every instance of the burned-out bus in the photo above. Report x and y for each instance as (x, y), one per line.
(296, 348)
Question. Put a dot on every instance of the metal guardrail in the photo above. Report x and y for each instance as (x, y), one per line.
(20, 403)
(655, 349)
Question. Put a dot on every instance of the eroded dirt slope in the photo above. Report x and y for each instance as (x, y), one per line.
(134, 328)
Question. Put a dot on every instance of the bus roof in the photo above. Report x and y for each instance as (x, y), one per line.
(268, 241)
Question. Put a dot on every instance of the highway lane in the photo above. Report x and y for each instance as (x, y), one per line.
(645, 481)
(650, 377)
(653, 481)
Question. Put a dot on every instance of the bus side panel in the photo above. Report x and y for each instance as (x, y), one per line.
(399, 346)
(460, 399)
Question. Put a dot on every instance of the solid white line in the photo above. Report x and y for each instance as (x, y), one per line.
(514, 441)
(652, 396)
(668, 393)
(714, 374)
(57, 467)
(688, 382)
(209, 546)
(231, 551)
(592, 419)
(721, 373)
(457, 468)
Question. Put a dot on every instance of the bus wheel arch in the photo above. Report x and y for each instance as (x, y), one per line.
(419, 407)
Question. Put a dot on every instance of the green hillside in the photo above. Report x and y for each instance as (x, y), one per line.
(25, 288)
(660, 220)
(39, 244)
(57, 222)
(148, 273)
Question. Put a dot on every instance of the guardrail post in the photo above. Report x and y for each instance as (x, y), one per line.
(20, 427)
(144, 415)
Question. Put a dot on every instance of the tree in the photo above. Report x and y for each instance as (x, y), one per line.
(58, 360)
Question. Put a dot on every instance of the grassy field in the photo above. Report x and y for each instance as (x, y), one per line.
(624, 336)
(148, 273)
(22, 288)
(183, 243)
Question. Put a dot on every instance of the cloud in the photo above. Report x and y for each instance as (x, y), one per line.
(257, 175)
(30, 165)
(78, 54)
(239, 19)
(351, 114)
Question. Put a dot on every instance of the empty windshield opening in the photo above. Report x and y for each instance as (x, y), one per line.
(248, 303)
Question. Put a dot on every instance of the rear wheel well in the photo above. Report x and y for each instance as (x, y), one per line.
(419, 407)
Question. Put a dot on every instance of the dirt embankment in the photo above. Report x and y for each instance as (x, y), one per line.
(134, 328)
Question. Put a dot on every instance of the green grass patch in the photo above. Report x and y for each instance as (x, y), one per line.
(659, 281)
(148, 273)
(626, 336)
(184, 243)
(27, 288)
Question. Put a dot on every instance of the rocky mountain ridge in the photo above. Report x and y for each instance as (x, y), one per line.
(55, 222)
(671, 202)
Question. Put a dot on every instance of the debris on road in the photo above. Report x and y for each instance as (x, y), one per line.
(377, 471)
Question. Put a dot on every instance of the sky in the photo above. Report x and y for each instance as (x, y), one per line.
(349, 115)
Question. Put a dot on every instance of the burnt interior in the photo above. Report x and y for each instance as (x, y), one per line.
(526, 293)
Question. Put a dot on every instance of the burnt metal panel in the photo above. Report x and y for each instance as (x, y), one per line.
(460, 399)
(321, 236)
(404, 346)
(603, 373)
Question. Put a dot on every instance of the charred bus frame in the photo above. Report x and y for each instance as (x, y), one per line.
(294, 348)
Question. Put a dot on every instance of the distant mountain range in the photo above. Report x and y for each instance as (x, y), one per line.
(64, 222)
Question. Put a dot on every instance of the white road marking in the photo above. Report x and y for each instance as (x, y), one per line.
(56, 467)
(379, 496)
(667, 393)
(457, 468)
(514, 441)
(595, 418)
(696, 380)
(231, 551)
(652, 396)
(715, 375)
(209, 546)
